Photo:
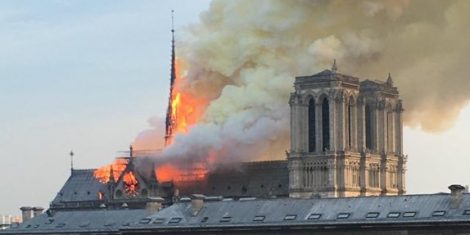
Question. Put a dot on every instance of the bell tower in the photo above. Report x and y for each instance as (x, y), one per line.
(346, 137)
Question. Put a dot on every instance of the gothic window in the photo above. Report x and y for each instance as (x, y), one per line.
(389, 130)
(326, 124)
(349, 121)
(355, 177)
(374, 176)
(368, 117)
(311, 125)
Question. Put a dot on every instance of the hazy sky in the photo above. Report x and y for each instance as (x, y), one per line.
(87, 76)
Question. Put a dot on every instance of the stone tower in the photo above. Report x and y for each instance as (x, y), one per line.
(346, 137)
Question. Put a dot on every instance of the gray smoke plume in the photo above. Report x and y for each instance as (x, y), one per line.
(243, 57)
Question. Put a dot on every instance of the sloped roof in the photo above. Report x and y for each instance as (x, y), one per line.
(80, 186)
(84, 221)
(405, 209)
(255, 179)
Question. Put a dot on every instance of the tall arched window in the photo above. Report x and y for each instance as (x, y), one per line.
(325, 109)
(349, 121)
(311, 125)
(368, 117)
(389, 126)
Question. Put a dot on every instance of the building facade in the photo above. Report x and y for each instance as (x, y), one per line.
(346, 137)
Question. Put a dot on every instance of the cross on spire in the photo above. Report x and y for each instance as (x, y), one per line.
(71, 161)
(334, 68)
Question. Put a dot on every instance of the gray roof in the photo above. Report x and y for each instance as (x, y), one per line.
(249, 179)
(80, 186)
(407, 209)
(84, 221)
(327, 75)
(380, 211)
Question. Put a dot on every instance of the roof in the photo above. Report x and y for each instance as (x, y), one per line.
(80, 186)
(373, 86)
(84, 221)
(327, 75)
(379, 210)
(249, 213)
(254, 179)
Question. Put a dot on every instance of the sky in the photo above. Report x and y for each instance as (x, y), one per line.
(88, 75)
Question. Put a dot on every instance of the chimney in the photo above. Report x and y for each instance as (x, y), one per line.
(26, 213)
(37, 211)
(456, 192)
(154, 204)
(197, 202)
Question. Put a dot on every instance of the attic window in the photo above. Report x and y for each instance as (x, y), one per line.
(466, 212)
(145, 221)
(159, 221)
(290, 217)
(438, 213)
(314, 216)
(49, 221)
(109, 224)
(372, 215)
(259, 218)
(393, 215)
(226, 219)
(61, 225)
(28, 226)
(36, 226)
(127, 224)
(343, 215)
(205, 219)
(409, 214)
(175, 220)
(84, 224)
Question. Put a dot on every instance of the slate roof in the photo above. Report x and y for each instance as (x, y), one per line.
(254, 179)
(80, 186)
(218, 213)
(407, 209)
(84, 221)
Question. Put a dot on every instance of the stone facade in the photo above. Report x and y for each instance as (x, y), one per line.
(346, 137)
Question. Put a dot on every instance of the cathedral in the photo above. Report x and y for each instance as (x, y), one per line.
(346, 137)
(345, 162)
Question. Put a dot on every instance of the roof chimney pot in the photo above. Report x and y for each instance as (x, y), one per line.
(456, 192)
(197, 202)
(154, 204)
(26, 213)
(37, 210)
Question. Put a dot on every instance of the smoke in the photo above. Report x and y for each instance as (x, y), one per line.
(243, 56)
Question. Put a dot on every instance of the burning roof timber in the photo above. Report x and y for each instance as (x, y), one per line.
(85, 190)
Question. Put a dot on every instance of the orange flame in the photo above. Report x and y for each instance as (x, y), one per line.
(130, 182)
(103, 174)
(187, 109)
(168, 172)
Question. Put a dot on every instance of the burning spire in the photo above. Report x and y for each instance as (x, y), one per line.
(170, 114)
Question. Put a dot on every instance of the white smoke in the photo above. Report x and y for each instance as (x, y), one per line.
(243, 57)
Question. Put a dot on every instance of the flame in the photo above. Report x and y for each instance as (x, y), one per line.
(186, 108)
(168, 172)
(131, 184)
(103, 174)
